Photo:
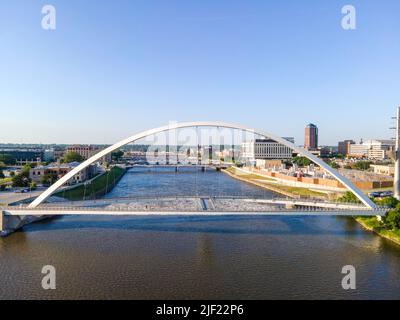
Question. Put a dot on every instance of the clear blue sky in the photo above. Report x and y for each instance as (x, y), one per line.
(113, 68)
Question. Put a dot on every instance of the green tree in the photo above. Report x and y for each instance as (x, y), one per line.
(362, 165)
(72, 157)
(1, 174)
(333, 164)
(349, 197)
(26, 168)
(21, 179)
(7, 159)
(117, 155)
(301, 161)
(391, 202)
(48, 179)
(392, 219)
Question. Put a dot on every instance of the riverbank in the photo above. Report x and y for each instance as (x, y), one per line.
(272, 185)
(368, 223)
(95, 188)
(372, 224)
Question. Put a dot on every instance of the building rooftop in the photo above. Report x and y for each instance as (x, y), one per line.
(61, 165)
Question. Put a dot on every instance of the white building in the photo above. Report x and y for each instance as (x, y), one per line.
(87, 151)
(387, 170)
(265, 149)
(372, 149)
(58, 170)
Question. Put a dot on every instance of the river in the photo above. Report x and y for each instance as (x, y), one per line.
(108, 257)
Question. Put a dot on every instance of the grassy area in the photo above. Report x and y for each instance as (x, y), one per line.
(271, 184)
(372, 224)
(5, 180)
(303, 192)
(252, 176)
(99, 186)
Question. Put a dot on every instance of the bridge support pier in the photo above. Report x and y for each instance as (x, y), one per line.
(11, 223)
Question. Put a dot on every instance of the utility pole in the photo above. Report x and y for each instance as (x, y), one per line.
(396, 182)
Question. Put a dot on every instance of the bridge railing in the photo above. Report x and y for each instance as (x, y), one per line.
(299, 202)
(119, 209)
(105, 205)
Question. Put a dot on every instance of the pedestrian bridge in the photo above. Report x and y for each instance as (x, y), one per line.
(176, 126)
(196, 205)
(13, 217)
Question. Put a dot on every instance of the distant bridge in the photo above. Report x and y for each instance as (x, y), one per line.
(181, 165)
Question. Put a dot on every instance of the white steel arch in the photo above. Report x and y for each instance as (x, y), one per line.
(346, 182)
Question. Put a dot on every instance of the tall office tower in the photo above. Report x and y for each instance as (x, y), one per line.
(311, 137)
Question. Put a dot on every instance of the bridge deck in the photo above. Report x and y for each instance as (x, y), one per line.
(196, 205)
(85, 211)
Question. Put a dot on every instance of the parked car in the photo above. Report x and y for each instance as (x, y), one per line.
(386, 194)
(374, 194)
(381, 194)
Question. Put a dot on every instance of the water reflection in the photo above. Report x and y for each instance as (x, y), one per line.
(205, 250)
(203, 257)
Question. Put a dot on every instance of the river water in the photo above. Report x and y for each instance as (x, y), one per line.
(291, 257)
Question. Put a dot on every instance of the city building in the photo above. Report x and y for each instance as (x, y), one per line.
(387, 170)
(61, 169)
(372, 149)
(273, 164)
(344, 147)
(326, 151)
(58, 153)
(358, 150)
(23, 156)
(86, 151)
(48, 155)
(265, 149)
(315, 178)
(311, 137)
